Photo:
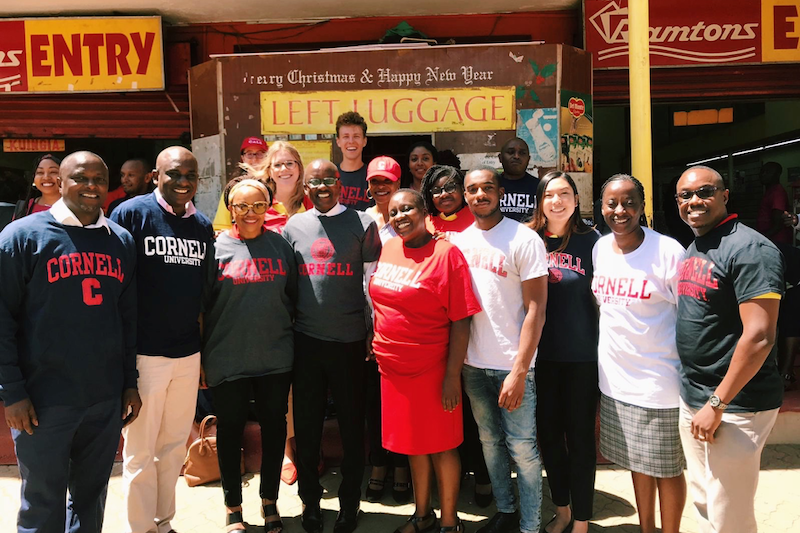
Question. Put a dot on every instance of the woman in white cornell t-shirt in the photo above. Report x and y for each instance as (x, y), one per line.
(635, 284)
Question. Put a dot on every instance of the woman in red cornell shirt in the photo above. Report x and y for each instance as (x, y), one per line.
(420, 359)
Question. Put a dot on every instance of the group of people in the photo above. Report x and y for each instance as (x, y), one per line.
(425, 313)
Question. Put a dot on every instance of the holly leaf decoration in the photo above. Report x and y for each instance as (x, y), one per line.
(535, 67)
(548, 70)
(520, 92)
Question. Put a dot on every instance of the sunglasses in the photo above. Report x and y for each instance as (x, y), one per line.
(259, 208)
(319, 182)
(704, 193)
(449, 187)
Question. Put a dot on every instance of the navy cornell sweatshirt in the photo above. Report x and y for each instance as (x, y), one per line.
(67, 313)
(171, 254)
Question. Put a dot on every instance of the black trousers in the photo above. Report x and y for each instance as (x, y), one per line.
(566, 395)
(319, 365)
(378, 455)
(232, 405)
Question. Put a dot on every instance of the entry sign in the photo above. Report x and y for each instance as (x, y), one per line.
(81, 55)
(33, 145)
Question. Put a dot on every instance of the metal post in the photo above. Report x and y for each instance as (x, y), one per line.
(639, 68)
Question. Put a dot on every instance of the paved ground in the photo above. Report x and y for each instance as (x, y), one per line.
(200, 509)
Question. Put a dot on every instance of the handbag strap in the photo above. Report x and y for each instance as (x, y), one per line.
(203, 424)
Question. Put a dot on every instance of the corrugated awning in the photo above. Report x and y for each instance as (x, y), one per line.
(148, 115)
(730, 82)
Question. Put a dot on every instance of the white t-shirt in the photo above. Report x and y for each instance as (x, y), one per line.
(499, 260)
(638, 294)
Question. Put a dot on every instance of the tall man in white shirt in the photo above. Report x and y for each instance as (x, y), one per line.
(508, 263)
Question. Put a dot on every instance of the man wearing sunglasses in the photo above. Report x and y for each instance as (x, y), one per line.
(334, 246)
(729, 292)
(172, 239)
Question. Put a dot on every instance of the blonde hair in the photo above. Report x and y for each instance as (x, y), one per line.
(253, 183)
(296, 200)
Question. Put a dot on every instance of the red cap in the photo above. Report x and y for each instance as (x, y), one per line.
(384, 166)
(253, 142)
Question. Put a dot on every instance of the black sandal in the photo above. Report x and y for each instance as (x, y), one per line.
(271, 509)
(458, 528)
(415, 520)
(375, 495)
(232, 519)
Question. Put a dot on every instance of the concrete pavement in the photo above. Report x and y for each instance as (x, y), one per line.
(200, 509)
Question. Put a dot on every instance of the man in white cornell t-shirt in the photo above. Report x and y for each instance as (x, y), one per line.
(508, 263)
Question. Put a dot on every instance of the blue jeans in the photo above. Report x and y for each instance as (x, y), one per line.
(505, 434)
(71, 448)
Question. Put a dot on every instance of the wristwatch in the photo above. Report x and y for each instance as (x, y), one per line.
(716, 403)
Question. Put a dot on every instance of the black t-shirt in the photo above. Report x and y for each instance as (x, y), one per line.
(571, 329)
(354, 189)
(520, 198)
(722, 269)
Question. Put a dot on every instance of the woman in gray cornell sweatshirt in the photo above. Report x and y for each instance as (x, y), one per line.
(248, 304)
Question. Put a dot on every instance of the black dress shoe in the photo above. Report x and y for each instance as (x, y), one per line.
(346, 521)
(311, 519)
(502, 523)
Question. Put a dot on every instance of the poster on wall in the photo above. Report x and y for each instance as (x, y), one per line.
(539, 128)
(576, 132)
(577, 142)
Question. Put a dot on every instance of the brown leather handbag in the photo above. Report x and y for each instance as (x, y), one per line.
(201, 465)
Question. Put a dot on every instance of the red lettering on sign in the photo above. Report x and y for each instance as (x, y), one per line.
(784, 26)
(469, 114)
(372, 118)
(143, 49)
(93, 41)
(117, 48)
(421, 116)
(394, 111)
(38, 56)
(452, 107)
(63, 54)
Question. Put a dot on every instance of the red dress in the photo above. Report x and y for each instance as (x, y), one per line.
(417, 293)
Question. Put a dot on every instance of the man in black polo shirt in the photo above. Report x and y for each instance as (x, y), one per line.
(729, 292)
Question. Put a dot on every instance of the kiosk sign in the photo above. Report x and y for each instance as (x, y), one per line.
(391, 111)
(81, 55)
(684, 32)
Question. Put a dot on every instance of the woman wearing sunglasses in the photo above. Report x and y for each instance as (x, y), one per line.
(248, 345)
(443, 191)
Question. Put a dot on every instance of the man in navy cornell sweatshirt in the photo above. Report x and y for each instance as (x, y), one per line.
(172, 240)
(68, 349)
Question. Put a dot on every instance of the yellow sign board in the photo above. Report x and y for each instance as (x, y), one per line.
(390, 111)
(780, 32)
(312, 150)
(81, 54)
(33, 145)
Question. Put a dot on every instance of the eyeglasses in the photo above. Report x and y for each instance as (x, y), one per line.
(449, 187)
(255, 155)
(319, 182)
(259, 208)
(704, 193)
(290, 165)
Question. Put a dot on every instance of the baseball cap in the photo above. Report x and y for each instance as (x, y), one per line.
(384, 166)
(253, 142)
